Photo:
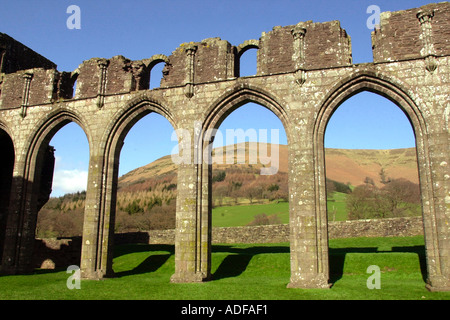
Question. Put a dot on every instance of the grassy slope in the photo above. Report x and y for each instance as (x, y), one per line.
(233, 216)
(343, 165)
(244, 272)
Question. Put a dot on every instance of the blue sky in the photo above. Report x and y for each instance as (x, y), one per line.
(138, 29)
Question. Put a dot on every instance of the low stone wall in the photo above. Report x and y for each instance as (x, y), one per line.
(52, 253)
(402, 227)
(395, 227)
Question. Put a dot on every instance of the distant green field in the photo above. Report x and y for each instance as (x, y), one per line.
(235, 216)
(337, 210)
(241, 215)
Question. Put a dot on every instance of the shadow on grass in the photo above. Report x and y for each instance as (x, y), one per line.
(150, 264)
(120, 250)
(337, 258)
(237, 261)
(238, 258)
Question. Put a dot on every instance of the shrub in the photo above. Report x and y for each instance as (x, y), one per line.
(263, 219)
(220, 176)
(133, 208)
(397, 198)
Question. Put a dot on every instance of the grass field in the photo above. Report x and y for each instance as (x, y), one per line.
(243, 272)
(241, 215)
(234, 216)
(337, 209)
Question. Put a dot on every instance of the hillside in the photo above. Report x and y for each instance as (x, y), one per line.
(343, 165)
(354, 166)
(145, 199)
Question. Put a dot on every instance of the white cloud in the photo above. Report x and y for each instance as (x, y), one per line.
(69, 181)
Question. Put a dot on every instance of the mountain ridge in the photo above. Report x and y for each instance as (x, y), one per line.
(351, 166)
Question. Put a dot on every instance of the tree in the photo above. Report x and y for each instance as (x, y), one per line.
(383, 178)
(369, 180)
(330, 187)
(251, 192)
(220, 176)
(400, 197)
(397, 198)
(360, 203)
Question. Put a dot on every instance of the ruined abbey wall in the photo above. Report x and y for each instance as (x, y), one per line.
(304, 72)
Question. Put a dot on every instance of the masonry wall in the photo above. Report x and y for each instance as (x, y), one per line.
(15, 56)
(395, 227)
(399, 36)
(326, 45)
(303, 83)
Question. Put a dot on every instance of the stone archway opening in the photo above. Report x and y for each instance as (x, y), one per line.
(371, 171)
(142, 192)
(248, 142)
(6, 175)
(147, 183)
(248, 62)
(62, 172)
(369, 142)
(156, 74)
(249, 178)
(384, 88)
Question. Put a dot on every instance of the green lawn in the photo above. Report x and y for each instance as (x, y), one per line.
(241, 215)
(243, 272)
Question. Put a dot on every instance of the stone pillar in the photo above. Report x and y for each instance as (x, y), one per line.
(298, 33)
(26, 93)
(98, 227)
(14, 260)
(21, 221)
(308, 224)
(190, 54)
(428, 51)
(437, 223)
(192, 234)
(103, 65)
(2, 56)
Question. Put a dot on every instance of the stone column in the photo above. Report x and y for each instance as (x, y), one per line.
(2, 57)
(192, 253)
(22, 217)
(428, 51)
(308, 237)
(103, 65)
(14, 261)
(298, 33)
(190, 54)
(26, 93)
(437, 223)
(98, 227)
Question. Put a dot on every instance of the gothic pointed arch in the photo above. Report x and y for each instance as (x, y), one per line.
(240, 95)
(399, 94)
(35, 183)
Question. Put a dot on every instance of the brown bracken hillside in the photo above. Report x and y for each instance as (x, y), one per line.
(344, 165)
